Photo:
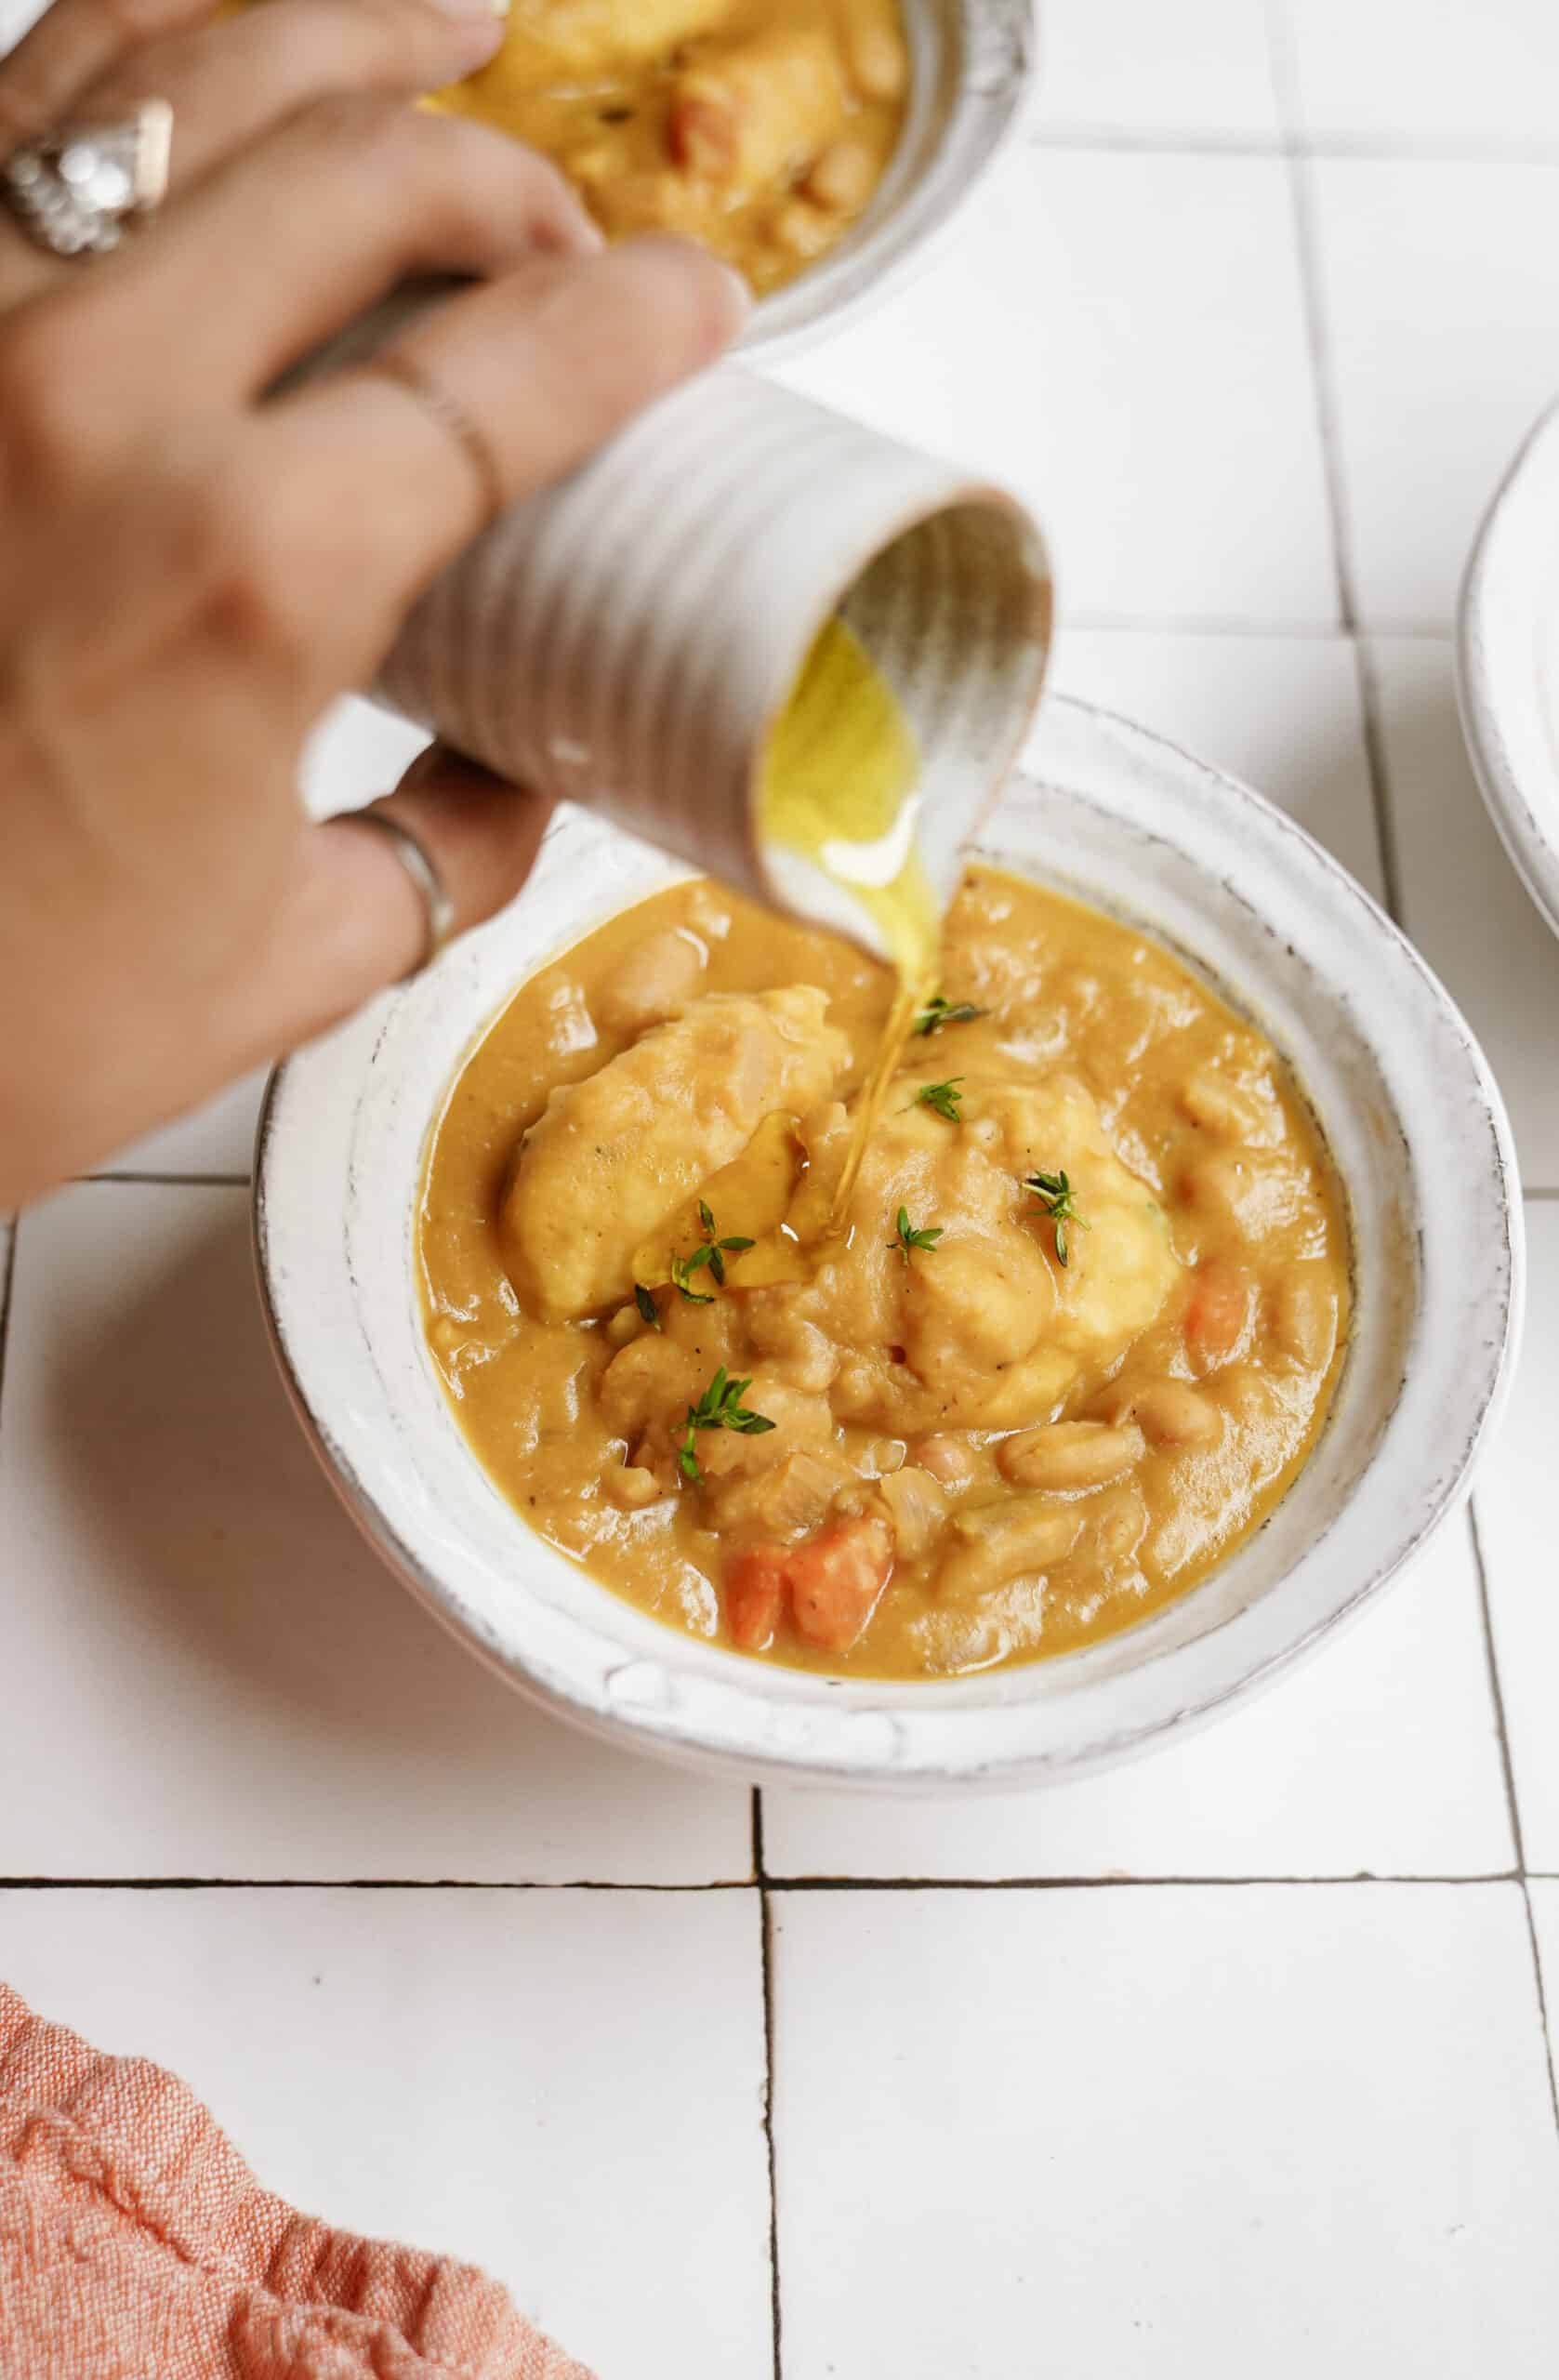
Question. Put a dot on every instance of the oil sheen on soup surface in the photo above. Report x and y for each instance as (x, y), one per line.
(761, 127)
(1077, 1333)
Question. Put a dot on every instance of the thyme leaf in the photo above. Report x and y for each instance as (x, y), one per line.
(910, 1239)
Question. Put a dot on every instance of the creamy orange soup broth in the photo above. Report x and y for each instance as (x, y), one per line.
(1078, 1334)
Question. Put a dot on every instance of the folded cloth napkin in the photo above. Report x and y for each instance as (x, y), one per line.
(134, 2244)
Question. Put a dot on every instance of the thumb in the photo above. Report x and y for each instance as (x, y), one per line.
(353, 917)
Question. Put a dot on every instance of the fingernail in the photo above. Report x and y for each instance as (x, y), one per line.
(487, 9)
(592, 239)
(740, 287)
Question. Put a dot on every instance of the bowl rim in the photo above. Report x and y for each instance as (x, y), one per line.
(995, 75)
(1508, 580)
(728, 1727)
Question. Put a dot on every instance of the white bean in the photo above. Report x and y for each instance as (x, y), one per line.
(1170, 1414)
(629, 1487)
(1118, 1523)
(1304, 1316)
(949, 1459)
(653, 980)
(1014, 1540)
(842, 177)
(877, 64)
(1069, 1455)
(1222, 1109)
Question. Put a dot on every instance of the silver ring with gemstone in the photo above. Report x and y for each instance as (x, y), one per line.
(74, 191)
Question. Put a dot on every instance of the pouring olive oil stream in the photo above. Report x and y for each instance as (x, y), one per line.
(838, 789)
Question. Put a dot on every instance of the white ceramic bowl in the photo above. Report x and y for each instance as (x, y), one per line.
(1415, 1123)
(1508, 663)
(972, 63)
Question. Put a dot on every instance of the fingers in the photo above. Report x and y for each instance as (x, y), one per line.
(352, 920)
(310, 225)
(543, 367)
(67, 50)
(230, 82)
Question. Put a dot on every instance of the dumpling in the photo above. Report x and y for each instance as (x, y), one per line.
(612, 1158)
(985, 1330)
(547, 38)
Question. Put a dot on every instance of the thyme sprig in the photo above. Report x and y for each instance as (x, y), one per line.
(713, 1253)
(1054, 1194)
(907, 1238)
(720, 1408)
(943, 1097)
(939, 1011)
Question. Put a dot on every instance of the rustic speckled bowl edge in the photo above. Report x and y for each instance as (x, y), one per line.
(1404, 1095)
(1507, 650)
(973, 69)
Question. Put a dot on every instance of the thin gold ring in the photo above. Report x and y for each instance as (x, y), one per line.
(451, 417)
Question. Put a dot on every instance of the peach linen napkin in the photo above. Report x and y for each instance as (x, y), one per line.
(134, 2244)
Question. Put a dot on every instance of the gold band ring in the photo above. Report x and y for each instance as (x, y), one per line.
(451, 417)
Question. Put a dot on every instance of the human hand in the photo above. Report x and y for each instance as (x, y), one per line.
(190, 573)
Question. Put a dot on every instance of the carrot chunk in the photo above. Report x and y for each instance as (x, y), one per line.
(755, 1591)
(1219, 1314)
(836, 1578)
(702, 135)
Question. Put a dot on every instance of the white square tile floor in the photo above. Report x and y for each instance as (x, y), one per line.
(1544, 1892)
(1441, 318)
(1103, 2110)
(242, 1690)
(1127, 2133)
(1462, 901)
(1472, 76)
(1200, 71)
(1282, 713)
(1514, 1503)
(1150, 390)
(493, 2090)
(1381, 1757)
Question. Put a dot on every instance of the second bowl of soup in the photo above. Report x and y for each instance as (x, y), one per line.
(816, 145)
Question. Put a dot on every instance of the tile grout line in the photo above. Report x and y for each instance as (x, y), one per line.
(1380, 784)
(1513, 1807)
(1193, 624)
(1513, 1800)
(362, 1884)
(1280, 62)
(1165, 140)
(174, 1181)
(766, 1938)
(1278, 631)
(766, 1943)
(765, 1887)
(1328, 423)
(11, 1225)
